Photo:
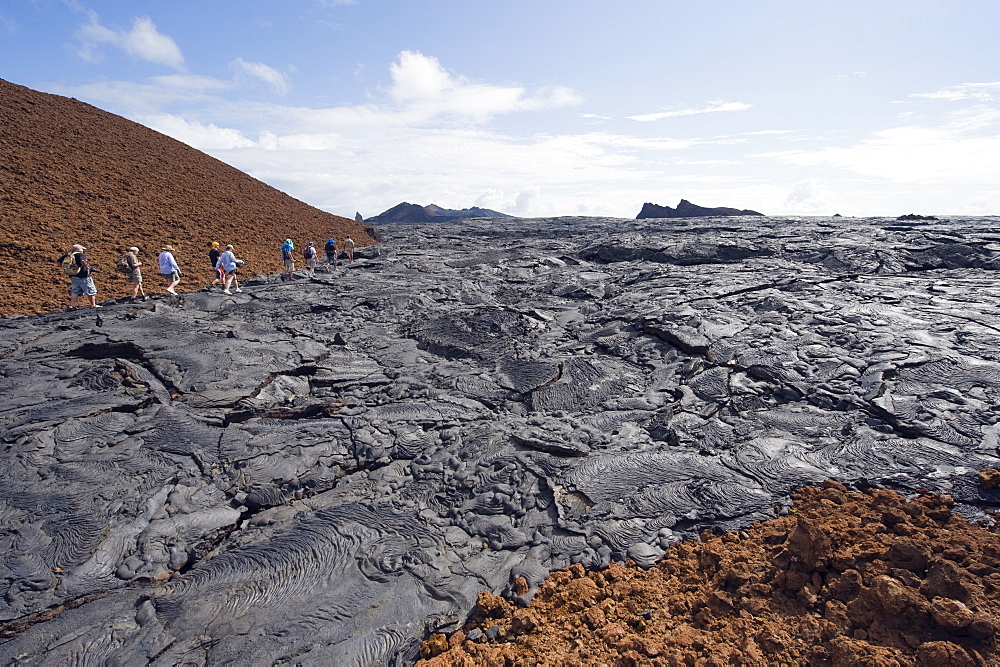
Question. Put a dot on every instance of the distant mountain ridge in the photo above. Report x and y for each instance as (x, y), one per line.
(414, 213)
(686, 209)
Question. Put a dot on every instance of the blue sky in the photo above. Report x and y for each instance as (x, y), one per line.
(539, 108)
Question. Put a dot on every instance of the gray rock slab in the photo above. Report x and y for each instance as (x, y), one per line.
(324, 471)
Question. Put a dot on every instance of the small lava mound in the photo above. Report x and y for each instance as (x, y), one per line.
(846, 578)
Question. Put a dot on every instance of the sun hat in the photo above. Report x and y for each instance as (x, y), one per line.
(311, 243)
(77, 248)
(330, 241)
(133, 249)
(168, 248)
(215, 244)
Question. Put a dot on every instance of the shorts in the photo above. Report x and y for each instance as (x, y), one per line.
(289, 265)
(331, 259)
(82, 286)
(311, 263)
(220, 273)
(136, 276)
(171, 277)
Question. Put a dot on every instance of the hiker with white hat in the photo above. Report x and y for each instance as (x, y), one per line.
(169, 269)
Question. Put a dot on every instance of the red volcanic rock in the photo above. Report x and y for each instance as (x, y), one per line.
(72, 173)
(826, 585)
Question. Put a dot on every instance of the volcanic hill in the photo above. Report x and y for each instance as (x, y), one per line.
(414, 213)
(72, 173)
(686, 209)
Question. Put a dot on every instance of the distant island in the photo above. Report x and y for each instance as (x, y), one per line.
(414, 213)
(686, 209)
(914, 216)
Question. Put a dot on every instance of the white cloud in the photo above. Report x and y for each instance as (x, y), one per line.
(205, 137)
(808, 196)
(981, 92)
(143, 41)
(712, 107)
(962, 149)
(277, 81)
(422, 86)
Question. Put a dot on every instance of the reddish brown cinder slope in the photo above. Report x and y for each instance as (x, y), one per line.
(72, 173)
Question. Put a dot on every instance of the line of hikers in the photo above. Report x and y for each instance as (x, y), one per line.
(309, 255)
(224, 263)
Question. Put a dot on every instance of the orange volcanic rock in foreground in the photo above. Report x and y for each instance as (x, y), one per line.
(846, 578)
(72, 173)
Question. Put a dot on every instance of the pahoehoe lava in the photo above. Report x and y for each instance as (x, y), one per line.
(327, 471)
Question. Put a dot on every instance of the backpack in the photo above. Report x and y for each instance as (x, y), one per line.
(123, 264)
(309, 252)
(70, 266)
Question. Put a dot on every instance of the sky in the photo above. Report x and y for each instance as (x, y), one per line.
(543, 108)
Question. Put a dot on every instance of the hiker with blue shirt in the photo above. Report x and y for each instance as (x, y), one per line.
(287, 256)
(169, 269)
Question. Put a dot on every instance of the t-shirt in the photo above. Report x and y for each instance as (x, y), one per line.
(331, 247)
(213, 255)
(81, 261)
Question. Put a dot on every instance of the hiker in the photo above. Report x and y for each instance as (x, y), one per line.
(75, 265)
(288, 258)
(309, 254)
(169, 269)
(227, 265)
(213, 256)
(349, 248)
(331, 253)
(131, 260)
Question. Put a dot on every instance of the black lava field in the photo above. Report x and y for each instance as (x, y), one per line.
(325, 471)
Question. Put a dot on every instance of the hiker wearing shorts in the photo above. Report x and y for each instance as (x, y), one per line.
(227, 265)
(132, 258)
(81, 282)
(309, 254)
(169, 269)
(349, 248)
(288, 258)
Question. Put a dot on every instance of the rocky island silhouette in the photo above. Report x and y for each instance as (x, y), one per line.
(771, 440)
